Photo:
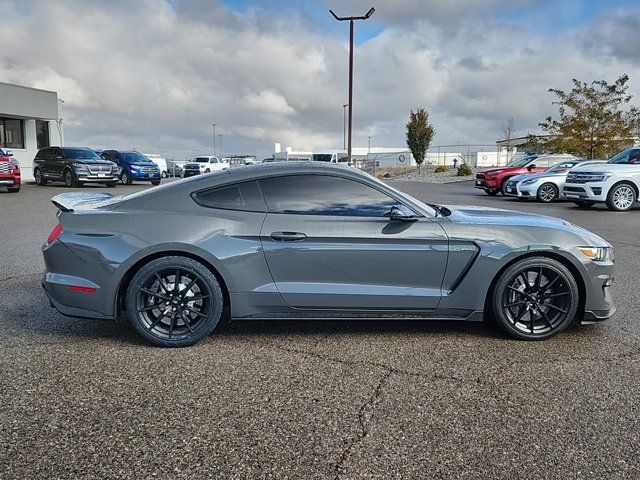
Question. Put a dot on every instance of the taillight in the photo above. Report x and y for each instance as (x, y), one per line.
(55, 233)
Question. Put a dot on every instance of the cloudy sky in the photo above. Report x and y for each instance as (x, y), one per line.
(155, 74)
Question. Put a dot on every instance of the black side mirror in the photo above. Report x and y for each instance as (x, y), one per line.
(531, 167)
(402, 213)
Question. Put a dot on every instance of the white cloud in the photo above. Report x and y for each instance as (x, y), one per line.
(155, 76)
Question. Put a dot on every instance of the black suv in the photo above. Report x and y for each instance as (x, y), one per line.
(73, 166)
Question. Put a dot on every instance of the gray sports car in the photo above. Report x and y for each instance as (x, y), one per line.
(311, 240)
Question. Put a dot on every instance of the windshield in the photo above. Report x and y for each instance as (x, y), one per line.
(322, 157)
(521, 162)
(562, 167)
(629, 157)
(200, 160)
(134, 157)
(80, 153)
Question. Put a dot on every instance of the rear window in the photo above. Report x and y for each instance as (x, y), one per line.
(239, 196)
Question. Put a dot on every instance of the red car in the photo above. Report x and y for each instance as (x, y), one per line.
(9, 172)
(494, 180)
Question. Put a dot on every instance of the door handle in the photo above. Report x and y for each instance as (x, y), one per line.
(288, 236)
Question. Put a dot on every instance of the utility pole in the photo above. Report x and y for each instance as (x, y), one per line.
(351, 19)
(214, 138)
(344, 125)
(220, 138)
(369, 145)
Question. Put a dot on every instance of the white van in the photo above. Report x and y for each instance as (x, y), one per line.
(160, 161)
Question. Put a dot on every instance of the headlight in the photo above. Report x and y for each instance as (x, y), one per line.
(529, 182)
(598, 254)
(81, 168)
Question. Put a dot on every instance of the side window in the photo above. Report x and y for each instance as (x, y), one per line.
(239, 196)
(324, 195)
(214, 160)
(634, 156)
(57, 154)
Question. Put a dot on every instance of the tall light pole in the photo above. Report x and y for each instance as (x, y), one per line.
(344, 125)
(351, 19)
(214, 138)
(369, 145)
(220, 138)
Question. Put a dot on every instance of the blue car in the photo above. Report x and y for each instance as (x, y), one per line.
(133, 166)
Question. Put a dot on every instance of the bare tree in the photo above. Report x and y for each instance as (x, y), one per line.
(507, 133)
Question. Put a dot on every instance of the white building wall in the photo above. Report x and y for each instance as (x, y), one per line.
(25, 156)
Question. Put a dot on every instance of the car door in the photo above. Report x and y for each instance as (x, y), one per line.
(54, 163)
(329, 243)
(41, 159)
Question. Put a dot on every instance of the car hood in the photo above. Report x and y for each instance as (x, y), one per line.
(533, 176)
(496, 216)
(607, 167)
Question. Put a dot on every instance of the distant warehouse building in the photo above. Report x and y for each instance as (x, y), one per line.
(28, 121)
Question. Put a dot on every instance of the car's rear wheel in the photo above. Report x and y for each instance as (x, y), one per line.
(40, 179)
(69, 179)
(621, 197)
(174, 301)
(488, 191)
(535, 299)
(547, 193)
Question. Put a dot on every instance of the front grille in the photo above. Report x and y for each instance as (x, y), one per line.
(583, 177)
(148, 170)
(95, 169)
(6, 167)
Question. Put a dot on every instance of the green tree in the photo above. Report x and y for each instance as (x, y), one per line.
(595, 120)
(419, 134)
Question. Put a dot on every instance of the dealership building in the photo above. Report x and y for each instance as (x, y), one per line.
(29, 120)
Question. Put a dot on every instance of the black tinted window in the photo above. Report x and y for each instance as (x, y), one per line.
(324, 195)
(44, 153)
(239, 196)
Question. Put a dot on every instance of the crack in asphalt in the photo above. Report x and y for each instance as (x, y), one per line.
(365, 421)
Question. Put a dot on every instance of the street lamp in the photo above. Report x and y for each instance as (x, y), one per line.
(369, 145)
(220, 138)
(344, 125)
(350, 104)
(214, 138)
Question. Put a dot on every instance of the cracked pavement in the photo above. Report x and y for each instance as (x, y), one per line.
(317, 399)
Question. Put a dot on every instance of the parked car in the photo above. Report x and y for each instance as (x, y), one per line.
(206, 164)
(160, 161)
(316, 240)
(9, 172)
(176, 169)
(494, 180)
(74, 166)
(134, 166)
(544, 186)
(616, 182)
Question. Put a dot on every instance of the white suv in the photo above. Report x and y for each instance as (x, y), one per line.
(206, 164)
(616, 182)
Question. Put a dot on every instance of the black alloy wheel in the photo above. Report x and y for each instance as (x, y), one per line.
(174, 301)
(69, 179)
(41, 181)
(535, 299)
(547, 193)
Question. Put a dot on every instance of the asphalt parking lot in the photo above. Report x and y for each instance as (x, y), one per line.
(283, 399)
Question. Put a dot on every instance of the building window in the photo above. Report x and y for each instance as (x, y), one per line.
(42, 133)
(11, 133)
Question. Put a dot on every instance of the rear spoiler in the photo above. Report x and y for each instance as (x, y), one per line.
(69, 202)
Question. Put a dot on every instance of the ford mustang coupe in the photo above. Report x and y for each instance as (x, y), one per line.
(315, 241)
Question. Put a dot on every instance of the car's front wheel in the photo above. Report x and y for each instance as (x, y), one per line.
(547, 193)
(125, 179)
(40, 179)
(174, 301)
(503, 187)
(535, 298)
(70, 179)
(621, 197)
(488, 191)
(155, 182)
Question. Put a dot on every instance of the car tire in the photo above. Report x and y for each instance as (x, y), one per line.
(490, 192)
(584, 203)
(158, 307)
(69, 179)
(165, 174)
(208, 170)
(535, 299)
(155, 182)
(39, 177)
(111, 184)
(13, 189)
(547, 193)
(622, 197)
(125, 179)
(503, 187)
